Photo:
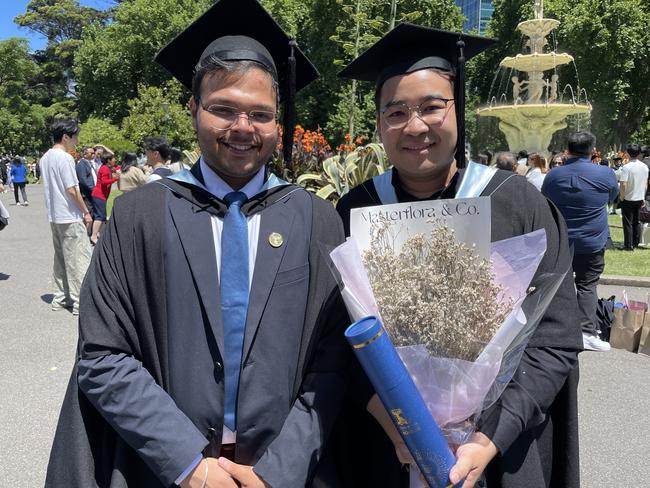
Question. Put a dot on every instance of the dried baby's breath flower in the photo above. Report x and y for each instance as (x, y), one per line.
(436, 291)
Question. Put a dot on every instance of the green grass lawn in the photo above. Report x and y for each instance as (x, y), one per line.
(626, 263)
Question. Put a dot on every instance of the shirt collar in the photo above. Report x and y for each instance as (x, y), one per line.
(219, 188)
(577, 159)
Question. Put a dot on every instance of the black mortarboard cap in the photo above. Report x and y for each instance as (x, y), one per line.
(242, 30)
(408, 48)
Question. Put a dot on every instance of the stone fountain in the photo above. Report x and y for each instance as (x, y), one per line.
(537, 109)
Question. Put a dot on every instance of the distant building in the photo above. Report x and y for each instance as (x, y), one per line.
(477, 14)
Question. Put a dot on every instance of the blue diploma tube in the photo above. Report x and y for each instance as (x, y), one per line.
(402, 400)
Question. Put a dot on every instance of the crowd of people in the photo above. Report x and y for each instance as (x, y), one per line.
(15, 173)
(76, 195)
(633, 187)
(98, 169)
(585, 187)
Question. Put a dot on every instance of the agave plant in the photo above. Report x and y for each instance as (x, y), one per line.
(343, 172)
(192, 156)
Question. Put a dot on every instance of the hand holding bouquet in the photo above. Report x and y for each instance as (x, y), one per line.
(459, 319)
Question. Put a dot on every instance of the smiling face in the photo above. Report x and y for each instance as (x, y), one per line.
(237, 153)
(419, 150)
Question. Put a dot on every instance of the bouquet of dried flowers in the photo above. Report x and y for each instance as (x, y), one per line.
(435, 291)
(459, 322)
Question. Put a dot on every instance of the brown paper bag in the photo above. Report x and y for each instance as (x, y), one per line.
(627, 328)
(644, 343)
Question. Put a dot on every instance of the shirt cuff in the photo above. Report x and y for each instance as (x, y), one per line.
(189, 469)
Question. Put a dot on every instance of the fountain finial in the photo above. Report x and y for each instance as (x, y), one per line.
(538, 8)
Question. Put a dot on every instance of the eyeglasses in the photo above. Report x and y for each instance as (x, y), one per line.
(432, 111)
(224, 117)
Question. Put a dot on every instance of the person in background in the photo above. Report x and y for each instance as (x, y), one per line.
(506, 160)
(176, 160)
(105, 179)
(485, 158)
(131, 176)
(617, 164)
(581, 190)
(18, 174)
(634, 183)
(557, 160)
(522, 157)
(537, 171)
(4, 173)
(522, 163)
(99, 149)
(157, 151)
(67, 214)
(37, 171)
(643, 227)
(87, 178)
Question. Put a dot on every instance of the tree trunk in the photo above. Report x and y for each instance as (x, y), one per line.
(353, 92)
(393, 14)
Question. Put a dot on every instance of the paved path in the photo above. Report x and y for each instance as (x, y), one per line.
(37, 348)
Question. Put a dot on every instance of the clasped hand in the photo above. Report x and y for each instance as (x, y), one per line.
(223, 473)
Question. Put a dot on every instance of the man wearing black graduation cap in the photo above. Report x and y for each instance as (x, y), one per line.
(529, 437)
(211, 343)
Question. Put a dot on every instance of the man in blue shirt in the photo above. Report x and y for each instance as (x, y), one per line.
(87, 178)
(581, 190)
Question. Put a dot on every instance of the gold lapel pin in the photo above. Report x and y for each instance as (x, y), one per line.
(275, 239)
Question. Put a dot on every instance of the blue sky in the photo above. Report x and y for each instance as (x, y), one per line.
(10, 8)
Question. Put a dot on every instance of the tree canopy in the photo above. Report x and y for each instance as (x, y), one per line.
(610, 42)
(98, 65)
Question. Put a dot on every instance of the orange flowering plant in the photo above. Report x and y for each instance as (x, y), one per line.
(310, 148)
(329, 174)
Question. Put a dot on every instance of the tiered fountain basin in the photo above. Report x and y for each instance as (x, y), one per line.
(536, 61)
(531, 126)
(534, 110)
(538, 27)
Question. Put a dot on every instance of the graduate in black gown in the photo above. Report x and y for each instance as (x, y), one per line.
(529, 437)
(179, 380)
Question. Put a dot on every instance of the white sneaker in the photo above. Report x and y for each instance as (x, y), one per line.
(593, 343)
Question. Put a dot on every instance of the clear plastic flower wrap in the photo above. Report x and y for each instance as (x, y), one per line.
(462, 370)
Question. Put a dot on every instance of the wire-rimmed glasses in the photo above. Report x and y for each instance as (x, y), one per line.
(431, 111)
(225, 116)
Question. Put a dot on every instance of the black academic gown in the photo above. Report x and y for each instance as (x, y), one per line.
(151, 295)
(534, 424)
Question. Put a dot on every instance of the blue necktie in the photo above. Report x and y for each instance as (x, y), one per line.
(234, 298)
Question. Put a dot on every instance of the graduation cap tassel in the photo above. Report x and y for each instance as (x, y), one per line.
(289, 107)
(460, 105)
